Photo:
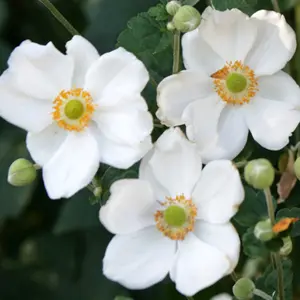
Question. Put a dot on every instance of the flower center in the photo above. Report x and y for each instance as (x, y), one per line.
(177, 217)
(73, 109)
(235, 83)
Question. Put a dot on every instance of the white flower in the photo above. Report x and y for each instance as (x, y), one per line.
(79, 109)
(233, 84)
(174, 219)
(222, 296)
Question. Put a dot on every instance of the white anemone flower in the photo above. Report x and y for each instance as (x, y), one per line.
(78, 108)
(174, 219)
(233, 83)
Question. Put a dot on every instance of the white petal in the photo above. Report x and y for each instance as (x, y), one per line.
(275, 44)
(280, 87)
(40, 71)
(146, 173)
(271, 122)
(121, 155)
(22, 110)
(221, 236)
(44, 144)
(202, 119)
(117, 72)
(73, 166)
(176, 92)
(127, 125)
(84, 54)
(232, 134)
(198, 266)
(219, 192)
(222, 296)
(198, 55)
(130, 207)
(229, 33)
(175, 163)
(139, 260)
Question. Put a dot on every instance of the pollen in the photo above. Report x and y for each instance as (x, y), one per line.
(73, 109)
(235, 83)
(176, 218)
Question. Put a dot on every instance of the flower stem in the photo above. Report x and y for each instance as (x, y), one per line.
(262, 294)
(176, 52)
(278, 263)
(190, 298)
(59, 17)
(276, 5)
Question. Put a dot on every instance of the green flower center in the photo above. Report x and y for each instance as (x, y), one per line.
(74, 109)
(175, 216)
(236, 82)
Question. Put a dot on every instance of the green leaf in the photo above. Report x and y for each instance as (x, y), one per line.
(190, 2)
(253, 209)
(253, 247)
(158, 12)
(4, 54)
(77, 214)
(268, 281)
(291, 213)
(12, 199)
(247, 6)
(122, 298)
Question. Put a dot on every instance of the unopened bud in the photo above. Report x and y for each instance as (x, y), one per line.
(170, 26)
(297, 168)
(97, 191)
(187, 18)
(21, 172)
(259, 173)
(243, 289)
(263, 230)
(287, 247)
(172, 7)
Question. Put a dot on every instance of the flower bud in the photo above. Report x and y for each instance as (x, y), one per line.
(172, 7)
(170, 26)
(187, 18)
(297, 168)
(21, 172)
(263, 230)
(287, 247)
(259, 173)
(243, 289)
(97, 191)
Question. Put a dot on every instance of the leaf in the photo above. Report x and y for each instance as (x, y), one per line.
(12, 199)
(248, 6)
(158, 12)
(268, 281)
(77, 214)
(253, 247)
(190, 2)
(291, 213)
(253, 209)
(4, 54)
(122, 298)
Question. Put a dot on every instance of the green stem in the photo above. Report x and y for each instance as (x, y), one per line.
(176, 52)
(190, 298)
(60, 18)
(262, 294)
(276, 5)
(278, 263)
(241, 164)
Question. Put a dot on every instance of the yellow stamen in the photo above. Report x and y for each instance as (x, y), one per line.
(73, 109)
(185, 217)
(235, 83)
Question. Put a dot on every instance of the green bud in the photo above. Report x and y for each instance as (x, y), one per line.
(297, 168)
(287, 247)
(259, 173)
(243, 289)
(97, 191)
(170, 26)
(172, 7)
(21, 172)
(263, 230)
(187, 18)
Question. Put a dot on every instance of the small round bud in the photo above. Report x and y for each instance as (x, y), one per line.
(259, 173)
(172, 7)
(97, 191)
(21, 172)
(243, 289)
(170, 26)
(287, 247)
(297, 168)
(263, 230)
(187, 18)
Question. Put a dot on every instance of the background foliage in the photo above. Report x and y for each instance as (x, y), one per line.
(53, 250)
